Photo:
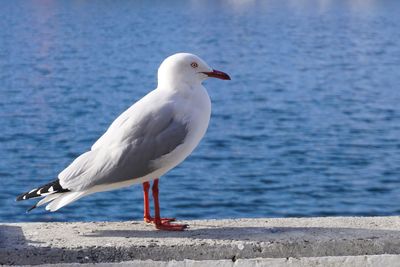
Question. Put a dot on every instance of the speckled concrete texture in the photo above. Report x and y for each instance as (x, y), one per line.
(229, 240)
(337, 261)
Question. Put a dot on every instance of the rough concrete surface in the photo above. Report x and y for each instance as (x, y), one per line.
(337, 261)
(229, 240)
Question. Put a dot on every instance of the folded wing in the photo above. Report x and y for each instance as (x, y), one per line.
(127, 150)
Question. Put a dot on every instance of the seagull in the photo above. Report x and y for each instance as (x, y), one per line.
(150, 138)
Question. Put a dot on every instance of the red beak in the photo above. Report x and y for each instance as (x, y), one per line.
(218, 74)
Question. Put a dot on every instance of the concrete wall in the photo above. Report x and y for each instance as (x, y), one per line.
(234, 241)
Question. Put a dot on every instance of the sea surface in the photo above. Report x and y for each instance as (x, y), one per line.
(309, 125)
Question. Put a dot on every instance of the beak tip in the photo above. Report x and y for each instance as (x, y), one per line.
(218, 74)
(226, 77)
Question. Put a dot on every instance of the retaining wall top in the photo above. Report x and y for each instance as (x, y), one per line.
(38, 243)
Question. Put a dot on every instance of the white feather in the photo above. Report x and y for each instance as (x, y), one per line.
(47, 199)
(64, 199)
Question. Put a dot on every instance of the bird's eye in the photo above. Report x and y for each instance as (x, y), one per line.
(194, 65)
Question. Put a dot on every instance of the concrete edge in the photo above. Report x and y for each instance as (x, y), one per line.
(385, 260)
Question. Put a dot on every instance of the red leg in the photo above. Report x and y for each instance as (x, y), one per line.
(146, 206)
(160, 223)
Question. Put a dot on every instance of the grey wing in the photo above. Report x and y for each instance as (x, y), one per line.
(154, 136)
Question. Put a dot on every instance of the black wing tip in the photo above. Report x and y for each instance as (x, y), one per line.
(21, 197)
(28, 195)
(50, 188)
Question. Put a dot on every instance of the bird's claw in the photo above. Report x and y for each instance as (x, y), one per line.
(171, 227)
(163, 220)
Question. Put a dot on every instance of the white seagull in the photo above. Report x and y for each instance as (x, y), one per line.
(147, 140)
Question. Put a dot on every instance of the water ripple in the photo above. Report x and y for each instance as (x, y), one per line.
(308, 126)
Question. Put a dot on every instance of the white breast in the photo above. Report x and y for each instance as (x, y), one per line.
(195, 110)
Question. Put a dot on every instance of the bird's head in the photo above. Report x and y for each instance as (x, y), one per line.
(185, 68)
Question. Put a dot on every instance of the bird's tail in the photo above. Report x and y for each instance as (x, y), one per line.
(61, 200)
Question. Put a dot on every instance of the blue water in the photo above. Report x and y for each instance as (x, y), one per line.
(308, 126)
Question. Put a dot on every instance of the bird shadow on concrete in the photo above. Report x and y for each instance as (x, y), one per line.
(254, 233)
(15, 249)
(11, 238)
(11, 234)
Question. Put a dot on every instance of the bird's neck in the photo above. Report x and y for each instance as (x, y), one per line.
(181, 87)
